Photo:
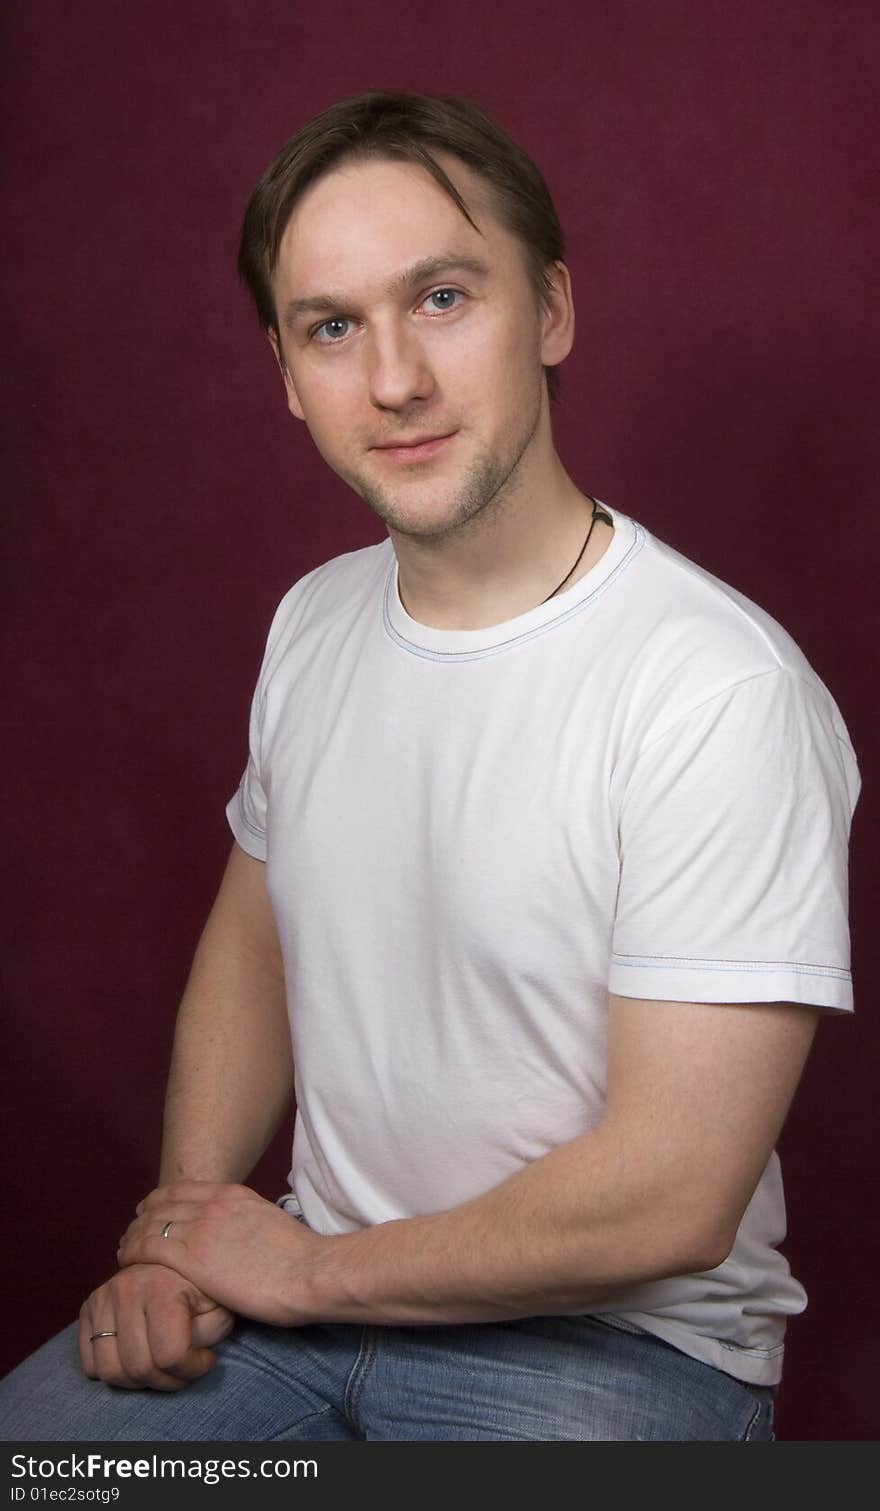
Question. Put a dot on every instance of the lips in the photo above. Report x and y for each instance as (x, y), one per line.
(413, 449)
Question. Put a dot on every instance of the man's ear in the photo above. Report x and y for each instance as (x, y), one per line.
(293, 403)
(557, 316)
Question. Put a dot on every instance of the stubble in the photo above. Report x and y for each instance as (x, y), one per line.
(487, 489)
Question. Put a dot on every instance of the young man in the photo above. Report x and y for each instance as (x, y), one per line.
(539, 862)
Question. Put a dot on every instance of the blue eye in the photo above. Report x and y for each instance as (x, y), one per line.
(442, 300)
(333, 330)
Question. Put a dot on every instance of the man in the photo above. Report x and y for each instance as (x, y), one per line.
(539, 863)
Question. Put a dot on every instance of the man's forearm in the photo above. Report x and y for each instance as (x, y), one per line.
(231, 1077)
(697, 1095)
(568, 1233)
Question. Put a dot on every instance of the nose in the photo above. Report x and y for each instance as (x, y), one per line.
(399, 370)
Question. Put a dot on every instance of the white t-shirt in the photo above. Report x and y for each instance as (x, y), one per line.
(472, 836)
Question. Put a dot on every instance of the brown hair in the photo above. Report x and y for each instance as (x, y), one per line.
(410, 127)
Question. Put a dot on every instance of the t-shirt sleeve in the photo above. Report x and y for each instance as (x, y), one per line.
(246, 811)
(733, 831)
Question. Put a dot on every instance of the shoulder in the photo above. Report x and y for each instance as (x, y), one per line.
(690, 608)
(694, 635)
(332, 587)
(328, 599)
(691, 641)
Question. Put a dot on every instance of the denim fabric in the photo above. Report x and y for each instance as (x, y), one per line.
(542, 1379)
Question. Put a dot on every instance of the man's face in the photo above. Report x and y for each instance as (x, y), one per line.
(413, 344)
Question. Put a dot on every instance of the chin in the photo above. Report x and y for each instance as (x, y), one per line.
(416, 523)
(426, 513)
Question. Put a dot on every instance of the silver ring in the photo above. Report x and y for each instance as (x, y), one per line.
(166, 1227)
(110, 1333)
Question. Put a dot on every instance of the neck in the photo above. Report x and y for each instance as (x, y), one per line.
(507, 559)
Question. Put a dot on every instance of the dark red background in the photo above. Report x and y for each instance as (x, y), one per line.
(710, 162)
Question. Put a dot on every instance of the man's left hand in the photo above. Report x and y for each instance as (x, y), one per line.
(247, 1253)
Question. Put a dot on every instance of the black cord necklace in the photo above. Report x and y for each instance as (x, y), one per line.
(596, 514)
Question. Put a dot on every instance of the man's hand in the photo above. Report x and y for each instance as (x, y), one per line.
(229, 1242)
(163, 1325)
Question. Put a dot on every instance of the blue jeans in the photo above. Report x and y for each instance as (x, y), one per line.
(542, 1379)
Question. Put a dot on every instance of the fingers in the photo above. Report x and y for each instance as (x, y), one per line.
(153, 1219)
(120, 1356)
(212, 1327)
(137, 1367)
(169, 1217)
(135, 1332)
(163, 1219)
(84, 1341)
(169, 1340)
(157, 1236)
(97, 1335)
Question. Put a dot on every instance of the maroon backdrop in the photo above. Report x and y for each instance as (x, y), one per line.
(710, 162)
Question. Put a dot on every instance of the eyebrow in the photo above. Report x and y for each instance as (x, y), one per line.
(423, 271)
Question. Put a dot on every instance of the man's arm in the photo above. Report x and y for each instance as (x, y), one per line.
(230, 1084)
(696, 1098)
(231, 1078)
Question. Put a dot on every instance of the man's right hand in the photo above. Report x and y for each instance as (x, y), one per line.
(163, 1330)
